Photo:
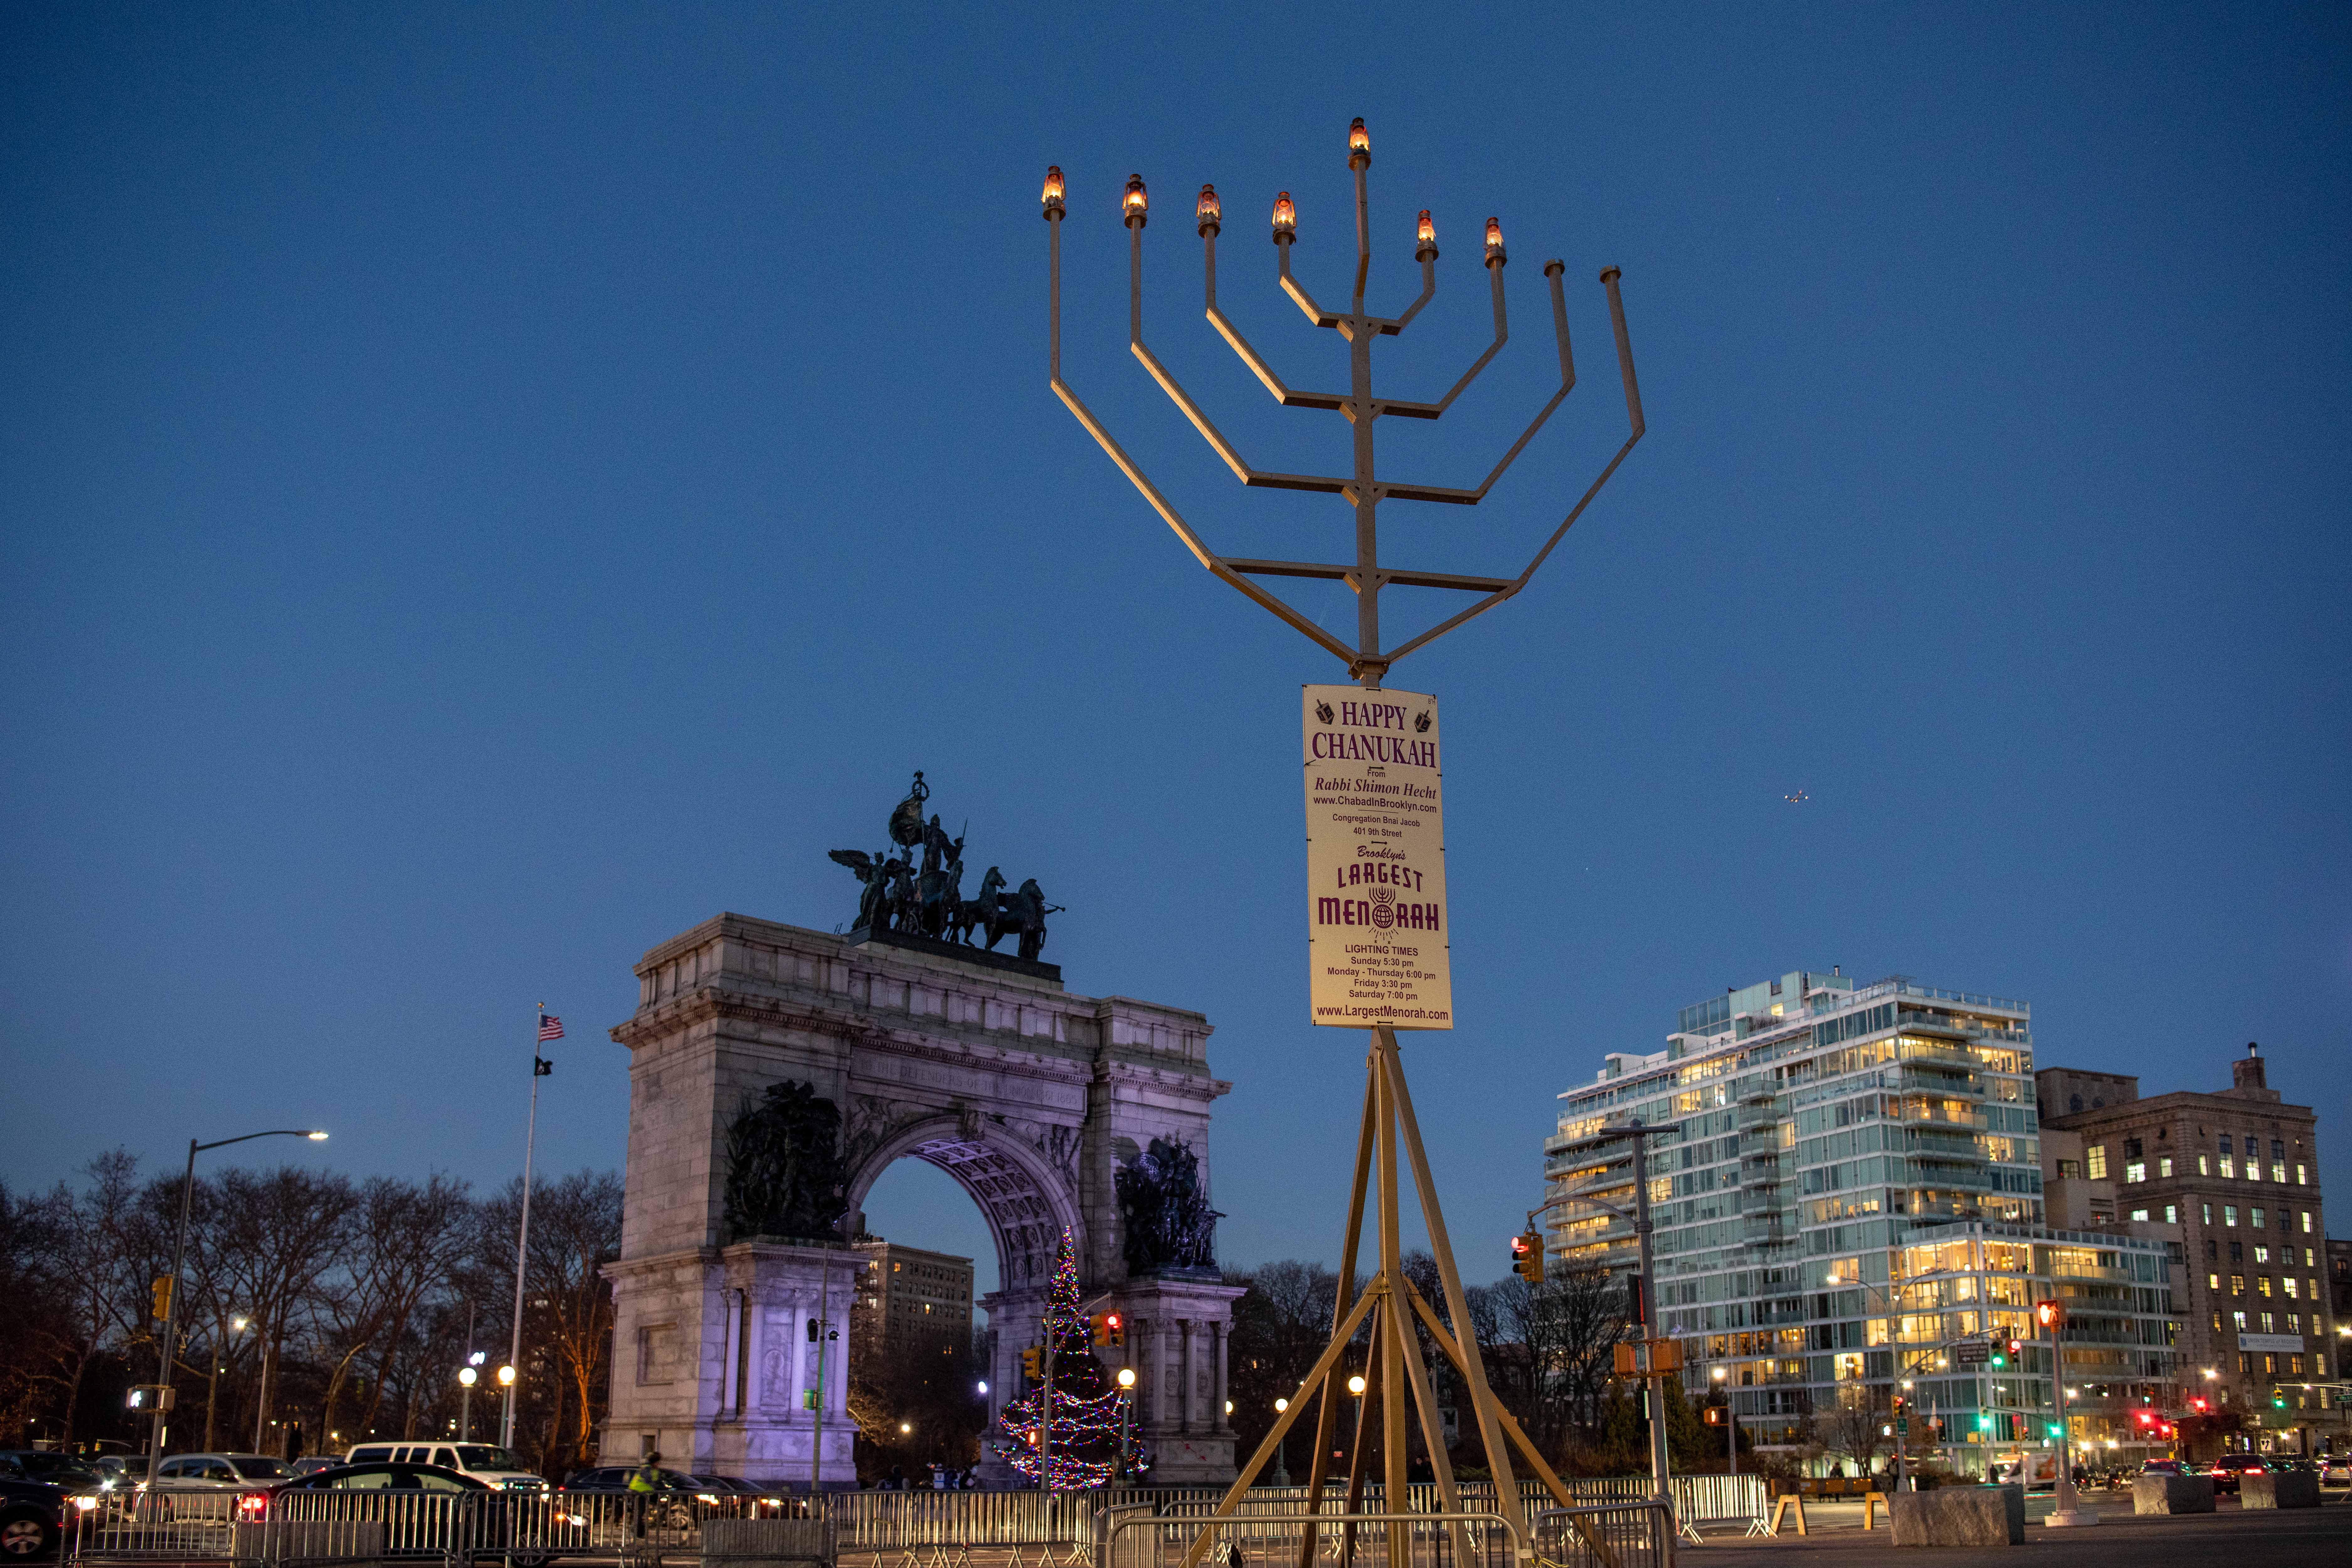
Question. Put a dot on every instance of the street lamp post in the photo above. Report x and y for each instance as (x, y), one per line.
(179, 1261)
(1730, 1417)
(1126, 1405)
(1281, 1461)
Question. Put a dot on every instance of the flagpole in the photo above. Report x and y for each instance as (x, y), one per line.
(522, 1238)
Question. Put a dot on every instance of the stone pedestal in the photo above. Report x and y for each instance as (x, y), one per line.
(713, 1365)
(1177, 1326)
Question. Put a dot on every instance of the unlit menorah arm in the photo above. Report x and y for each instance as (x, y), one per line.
(1552, 270)
(1609, 277)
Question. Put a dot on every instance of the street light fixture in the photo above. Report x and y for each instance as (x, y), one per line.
(506, 1377)
(179, 1260)
(1355, 1385)
(1126, 1414)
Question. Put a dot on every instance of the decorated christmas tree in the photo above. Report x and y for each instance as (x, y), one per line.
(1084, 1424)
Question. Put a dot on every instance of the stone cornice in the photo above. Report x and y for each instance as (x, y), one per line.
(707, 1002)
(2217, 1105)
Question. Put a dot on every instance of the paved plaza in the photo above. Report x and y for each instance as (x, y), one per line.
(2241, 1538)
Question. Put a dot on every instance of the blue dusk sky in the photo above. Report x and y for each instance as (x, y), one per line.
(489, 487)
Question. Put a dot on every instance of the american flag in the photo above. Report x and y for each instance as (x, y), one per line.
(551, 1028)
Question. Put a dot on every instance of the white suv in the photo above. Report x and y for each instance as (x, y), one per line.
(485, 1462)
(220, 1473)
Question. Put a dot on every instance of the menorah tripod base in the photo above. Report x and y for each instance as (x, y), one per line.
(1389, 1304)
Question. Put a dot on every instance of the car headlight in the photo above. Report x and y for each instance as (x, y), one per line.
(85, 1503)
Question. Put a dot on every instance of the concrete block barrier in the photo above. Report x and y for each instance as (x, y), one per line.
(2278, 1489)
(1960, 1516)
(2172, 1494)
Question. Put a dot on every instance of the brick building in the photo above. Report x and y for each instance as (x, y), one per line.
(915, 1295)
(2230, 1181)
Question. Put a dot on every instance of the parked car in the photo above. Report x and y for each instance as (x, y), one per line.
(67, 1470)
(310, 1464)
(673, 1505)
(426, 1510)
(485, 1462)
(2336, 1470)
(749, 1500)
(35, 1516)
(220, 1473)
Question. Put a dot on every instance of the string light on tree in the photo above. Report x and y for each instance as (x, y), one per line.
(1084, 1432)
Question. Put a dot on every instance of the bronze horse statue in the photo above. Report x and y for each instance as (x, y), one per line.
(1001, 914)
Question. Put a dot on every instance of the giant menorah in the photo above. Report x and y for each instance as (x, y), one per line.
(1363, 488)
(1390, 1306)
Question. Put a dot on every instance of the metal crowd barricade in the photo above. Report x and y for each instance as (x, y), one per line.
(1134, 1538)
(1637, 1534)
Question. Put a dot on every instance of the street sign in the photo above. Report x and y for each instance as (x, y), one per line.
(1971, 1352)
(1902, 1425)
(1377, 930)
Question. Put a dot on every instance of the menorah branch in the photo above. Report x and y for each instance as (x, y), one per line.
(1552, 270)
(1183, 400)
(1240, 345)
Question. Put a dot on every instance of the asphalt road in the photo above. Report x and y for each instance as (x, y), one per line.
(2302, 1538)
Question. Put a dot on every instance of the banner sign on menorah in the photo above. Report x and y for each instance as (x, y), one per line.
(1376, 928)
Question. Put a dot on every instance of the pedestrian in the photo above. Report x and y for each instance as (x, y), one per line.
(643, 1481)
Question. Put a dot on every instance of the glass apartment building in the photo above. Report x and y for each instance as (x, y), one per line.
(1851, 1201)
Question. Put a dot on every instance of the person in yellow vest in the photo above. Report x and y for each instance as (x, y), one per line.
(643, 1481)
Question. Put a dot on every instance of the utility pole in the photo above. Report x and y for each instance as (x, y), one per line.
(1656, 1382)
(1652, 1377)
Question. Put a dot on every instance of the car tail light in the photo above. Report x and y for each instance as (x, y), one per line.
(252, 1503)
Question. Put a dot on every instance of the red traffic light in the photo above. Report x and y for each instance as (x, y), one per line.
(2015, 1346)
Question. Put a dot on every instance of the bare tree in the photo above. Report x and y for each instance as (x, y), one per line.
(575, 1230)
(1557, 1340)
(407, 1243)
(270, 1240)
(1281, 1323)
(1851, 1429)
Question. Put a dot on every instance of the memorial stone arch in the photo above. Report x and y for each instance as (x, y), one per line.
(980, 1063)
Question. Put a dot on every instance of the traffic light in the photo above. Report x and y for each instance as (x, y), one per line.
(1715, 1415)
(2278, 1399)
(2051, 1315)
(1526, 1257)
(1033, 1362)
(2197, 1405)
(163, 1299)
(1110, 1329)
(2001, 1357)
(2056, 1432)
